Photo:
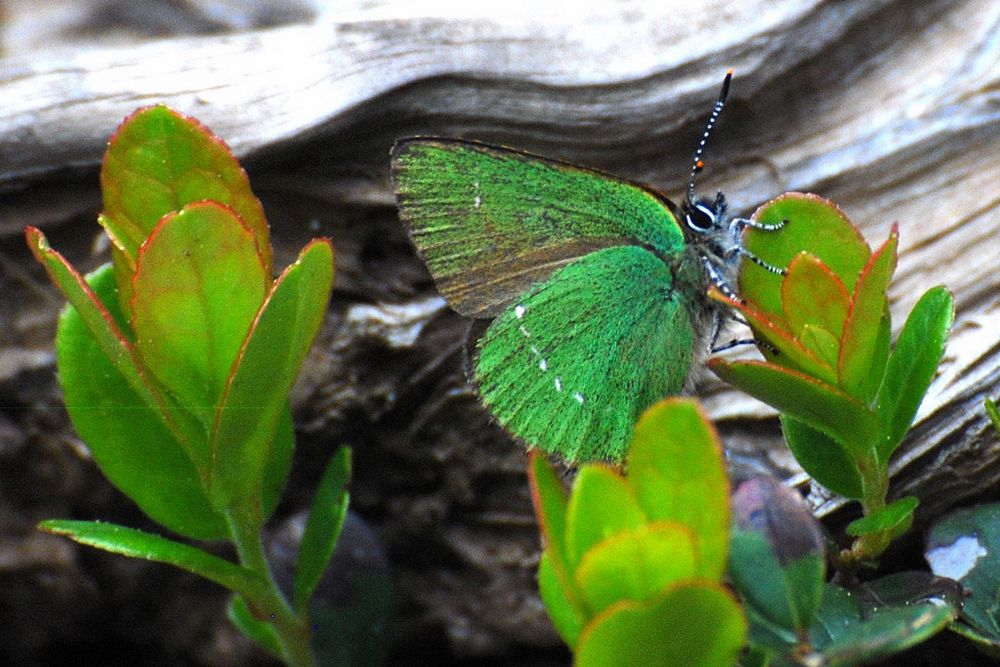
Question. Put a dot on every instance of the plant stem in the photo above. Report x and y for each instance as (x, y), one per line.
(875, 488)
(291, 632)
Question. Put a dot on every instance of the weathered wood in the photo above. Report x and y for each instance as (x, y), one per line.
(889, 108)
(603, 77)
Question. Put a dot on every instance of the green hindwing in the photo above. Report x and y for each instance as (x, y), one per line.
(492, 222)
(574, 362)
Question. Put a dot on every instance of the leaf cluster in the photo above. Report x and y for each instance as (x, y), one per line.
(632, 565)
(176, 360)
(846, 396)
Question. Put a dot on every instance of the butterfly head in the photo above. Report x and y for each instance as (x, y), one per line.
(703, 216)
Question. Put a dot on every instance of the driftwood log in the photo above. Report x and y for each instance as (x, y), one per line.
(889, 108)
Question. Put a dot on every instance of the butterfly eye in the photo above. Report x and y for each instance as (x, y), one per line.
(700, 217)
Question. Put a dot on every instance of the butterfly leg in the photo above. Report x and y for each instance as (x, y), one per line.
(740, 223)
(717, 322)
(717, 279)
(736, 229)
(714, 347)
(736, 342)
(777, 270)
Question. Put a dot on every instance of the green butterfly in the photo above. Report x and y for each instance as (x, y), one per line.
(597, 294)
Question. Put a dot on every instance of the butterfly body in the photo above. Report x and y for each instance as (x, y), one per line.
(596, 287)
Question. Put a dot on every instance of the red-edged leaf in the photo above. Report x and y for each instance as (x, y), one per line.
(637, 564)
(551, 502)
(263, 375)
(551, 507)
(601, 505)
(675, 466)
(820, 342)
(822, 406)
(567, 616)
(694, 624)
(812, 294)
(863, 351)
(127, 436)
(816, 226)
(197, 287)
(157, 162)
(111, 340)
(785, 348)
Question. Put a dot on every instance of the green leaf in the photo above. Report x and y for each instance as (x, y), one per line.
(264, 373)
(912, 365)
(158, 162)
(821, 406)
(821, 342)
(555, 579)
(816, 226)
(823, 458)
(896, 517)
(863, 351)
(279, 461)
(768, 637)
(601, 505)
(98, 321)
(197, 287)
(785, 595)
(965, 546)
(691, 625)
(991, 410)
(777, 556)
(676, 469)
(813, 295)
(127, 436)
(755, 656)
(782, 346)
(637, 564)
(986, 645)
(253, 628)
(550, 501)
(848, 632)
(326, 518)
(566, 615)
(138, 544)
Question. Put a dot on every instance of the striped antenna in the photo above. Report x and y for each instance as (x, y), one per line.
(698, 165)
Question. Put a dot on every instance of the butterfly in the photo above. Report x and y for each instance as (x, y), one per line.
(592, 289)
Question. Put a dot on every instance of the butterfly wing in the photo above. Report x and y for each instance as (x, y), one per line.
(490, 222)
(574, 362)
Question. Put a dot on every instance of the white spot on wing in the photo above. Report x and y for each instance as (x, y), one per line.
(478, 202)
(525, 333)
(956, 559)
(558, 384)
(578, 396)
(544, 365)
(519, 311)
